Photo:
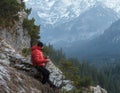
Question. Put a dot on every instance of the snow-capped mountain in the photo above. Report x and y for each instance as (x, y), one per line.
(54, 11)
(87, 26)
(112, 4)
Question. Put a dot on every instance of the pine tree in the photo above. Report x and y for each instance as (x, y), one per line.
(9, 12)
(33, 30)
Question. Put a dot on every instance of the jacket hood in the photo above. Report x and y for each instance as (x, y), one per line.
(36, 47)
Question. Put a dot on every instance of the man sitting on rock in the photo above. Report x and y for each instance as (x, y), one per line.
(39, 61)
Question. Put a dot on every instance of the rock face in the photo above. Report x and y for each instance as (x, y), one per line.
(97, 89)
(17, 36)
(13, 81)
(58, 78)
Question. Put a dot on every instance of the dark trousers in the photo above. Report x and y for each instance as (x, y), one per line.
(45, 73)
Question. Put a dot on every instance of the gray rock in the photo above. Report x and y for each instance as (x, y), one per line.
(97, 89)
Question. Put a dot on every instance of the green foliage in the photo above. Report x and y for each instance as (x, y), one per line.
(85, 82)
(111, 77)
(55, 55)
(26, 52)
(70, 68)
(28, 11)
(107, 76)
(83, 74)
(9, 12)
(33, 30)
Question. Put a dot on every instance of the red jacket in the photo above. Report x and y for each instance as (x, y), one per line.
(37, 56)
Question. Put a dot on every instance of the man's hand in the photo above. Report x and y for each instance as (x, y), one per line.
(48, 60)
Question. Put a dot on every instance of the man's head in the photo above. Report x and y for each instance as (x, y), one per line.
(40, 44)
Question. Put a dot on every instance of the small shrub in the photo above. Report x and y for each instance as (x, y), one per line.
(9, 12)
(26, 52)
(33, 30)
(85, 82)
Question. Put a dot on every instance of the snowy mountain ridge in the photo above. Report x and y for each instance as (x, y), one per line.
(81, 28)
(54, 11)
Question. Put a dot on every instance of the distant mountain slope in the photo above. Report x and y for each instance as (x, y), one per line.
(89, 25)
(106, 45)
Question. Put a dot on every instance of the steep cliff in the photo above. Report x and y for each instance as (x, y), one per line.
(16, 36)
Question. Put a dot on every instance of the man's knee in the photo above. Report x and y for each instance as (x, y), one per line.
(47, 73)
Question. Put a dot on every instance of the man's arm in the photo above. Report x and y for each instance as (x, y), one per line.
(39, 58)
